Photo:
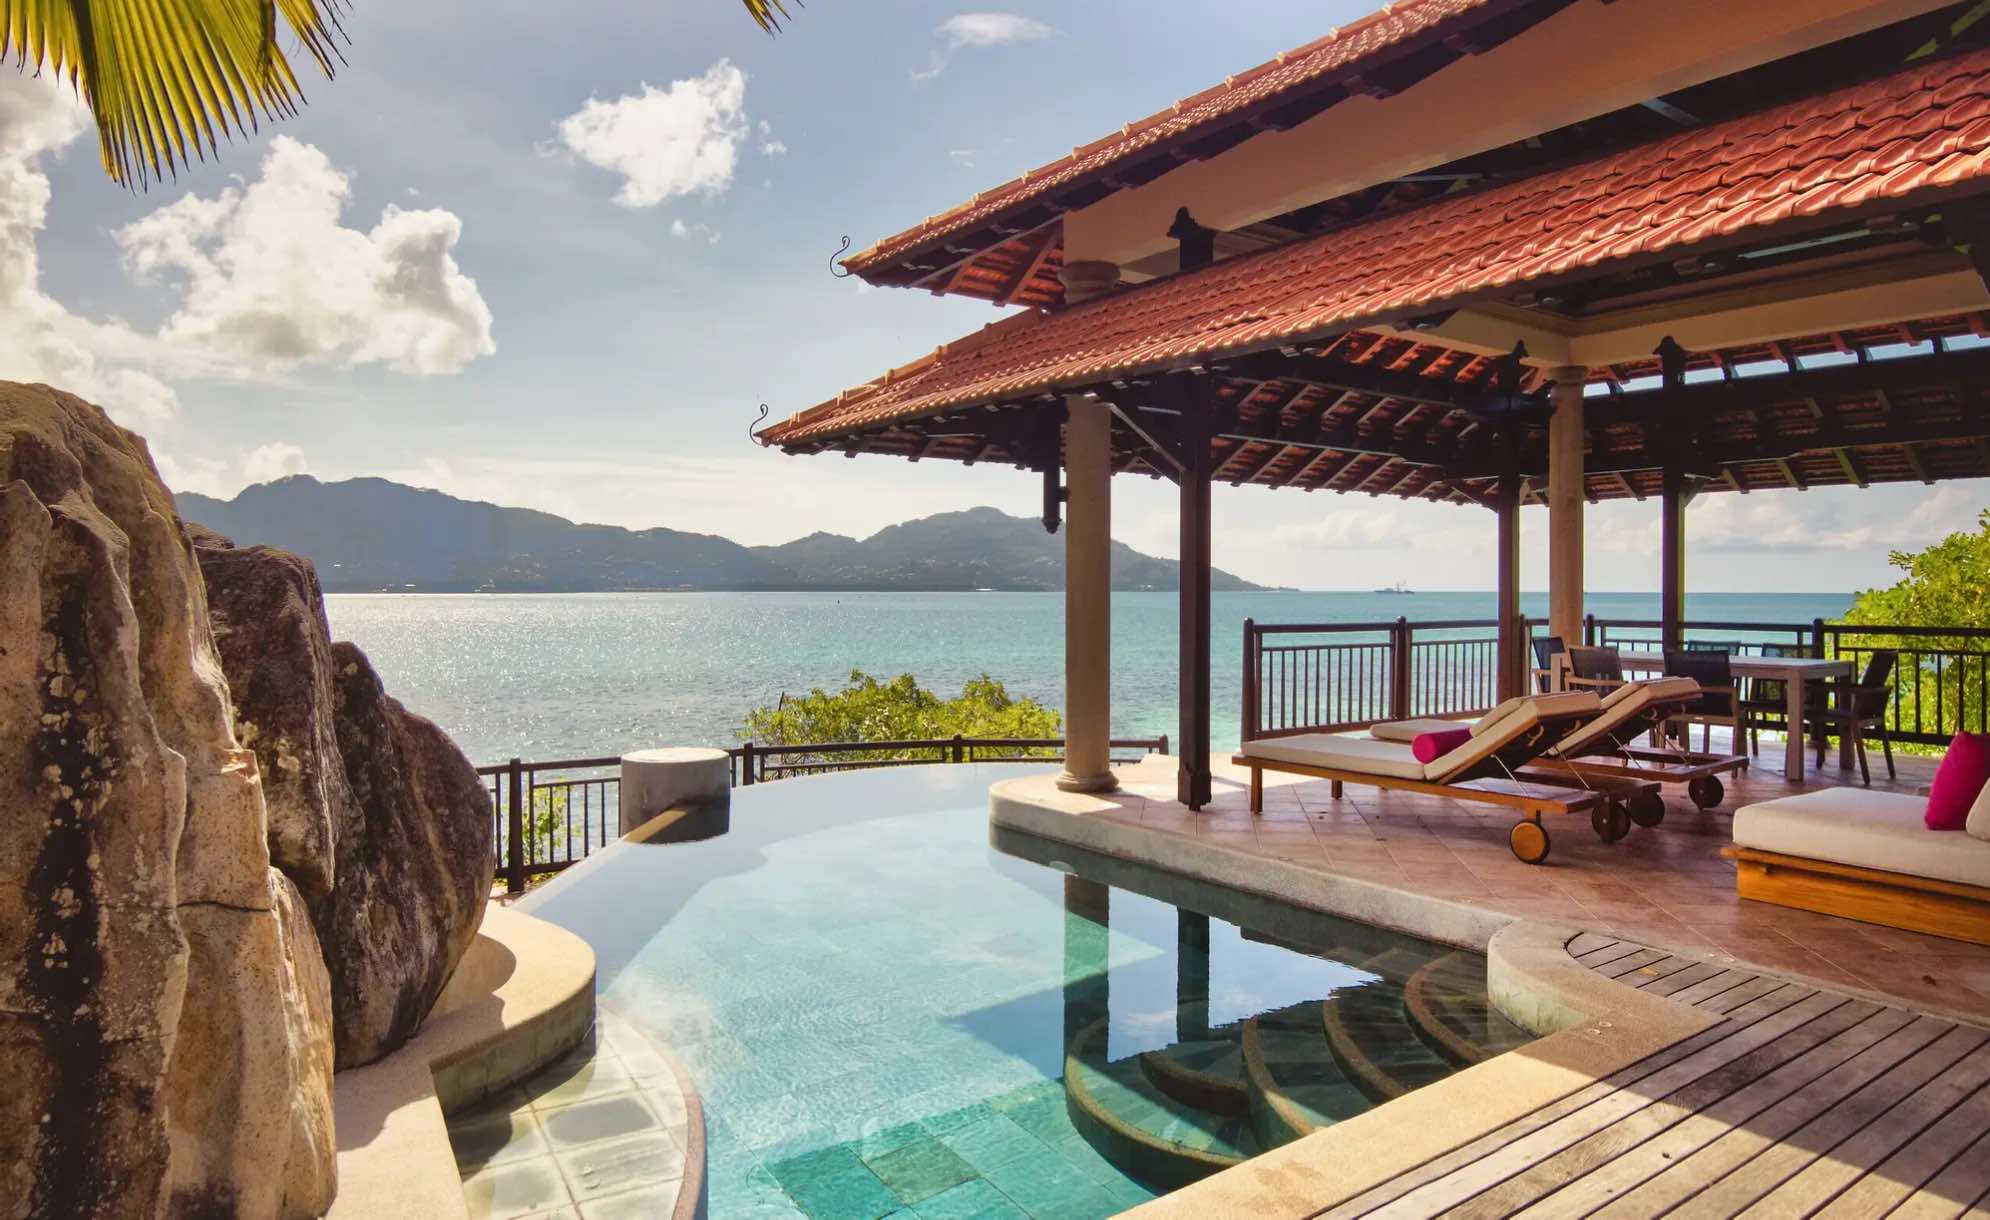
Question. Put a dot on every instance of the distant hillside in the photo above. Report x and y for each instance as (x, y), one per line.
(371, 534)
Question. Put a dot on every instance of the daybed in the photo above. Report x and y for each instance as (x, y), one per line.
(1482, 769)
(1864, 855)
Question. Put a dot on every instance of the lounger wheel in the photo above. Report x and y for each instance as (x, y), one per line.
(1707, 791)
(1611, 820)
(1529, 841)
(1647, 809)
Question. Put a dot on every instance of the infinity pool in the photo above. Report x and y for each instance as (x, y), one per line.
(885, 1014)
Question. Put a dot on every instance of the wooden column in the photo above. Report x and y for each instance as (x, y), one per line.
(1192, 781)
(1511, 666)
(1676, 495)
(1565, 505)
(1087, 597)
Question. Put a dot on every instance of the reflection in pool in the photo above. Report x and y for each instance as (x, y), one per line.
(882, 1011)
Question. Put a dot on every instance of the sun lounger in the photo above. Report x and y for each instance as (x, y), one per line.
(1609, 746)
(1483, 769)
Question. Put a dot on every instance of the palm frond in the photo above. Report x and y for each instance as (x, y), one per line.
(168, 79)
(768, 13)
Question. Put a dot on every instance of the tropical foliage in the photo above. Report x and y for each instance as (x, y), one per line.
(1942, 680)
(866, 709)
(168, 79)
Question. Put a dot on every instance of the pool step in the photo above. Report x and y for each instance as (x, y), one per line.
(1296, 1087)
(1447, 1006)
(1372, 1039)
(1207, 1075)
(1149, 1134)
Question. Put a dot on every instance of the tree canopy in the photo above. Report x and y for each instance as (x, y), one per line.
(1948, 584)
(866, 709)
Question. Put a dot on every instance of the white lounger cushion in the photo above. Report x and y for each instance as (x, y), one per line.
(1880, 830)
(1410, 730)
(1395, 759)
(1624, 704)
(1339, 750)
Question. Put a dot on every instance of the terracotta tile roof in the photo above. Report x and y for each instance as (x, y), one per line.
(1908, 137)
(1337, 52)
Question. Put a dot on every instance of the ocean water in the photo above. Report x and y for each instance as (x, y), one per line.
(584, 674)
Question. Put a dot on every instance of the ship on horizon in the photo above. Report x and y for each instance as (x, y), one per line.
(1399, 590)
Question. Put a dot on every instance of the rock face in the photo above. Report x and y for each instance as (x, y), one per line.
(378, 817)
(164, 1014)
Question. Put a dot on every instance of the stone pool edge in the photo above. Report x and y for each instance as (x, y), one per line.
(1590, 1026)
(522, 997)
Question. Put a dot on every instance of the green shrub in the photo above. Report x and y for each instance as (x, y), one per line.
(866, 709)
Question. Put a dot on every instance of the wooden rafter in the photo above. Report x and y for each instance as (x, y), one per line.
(1045, 243)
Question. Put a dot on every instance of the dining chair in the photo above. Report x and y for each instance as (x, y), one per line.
(1597, 669)
(1718, 702)
(1765, 701)
(1550, 658)
(1862, 712)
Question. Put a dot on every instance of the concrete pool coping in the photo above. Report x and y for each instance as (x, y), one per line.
(1590, 1026)
(522, 997)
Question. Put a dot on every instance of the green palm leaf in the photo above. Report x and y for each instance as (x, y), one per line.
(167, 79)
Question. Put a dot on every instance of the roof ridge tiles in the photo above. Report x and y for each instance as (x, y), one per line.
(1554, 223)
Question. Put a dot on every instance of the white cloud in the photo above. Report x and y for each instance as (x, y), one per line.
(773, 148)
(990, 30)
(40, 339)
(665, 143)
(260, 279)
(269, 279)
(979, 30)
(684, 232)
(267, 463)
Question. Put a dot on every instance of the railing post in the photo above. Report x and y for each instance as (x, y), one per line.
(1164, 745)
(746, 762)
(514, 839)
(1399, 670)
(1589, 630)
(1817, 638)
(1250, 722)
(960, 751)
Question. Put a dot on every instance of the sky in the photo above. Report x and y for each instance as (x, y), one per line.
(559, 255)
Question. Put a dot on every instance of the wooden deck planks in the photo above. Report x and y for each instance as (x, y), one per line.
(1634, 961)
(1910, 1167)
(1779, 1160)
(1729, 1150)
(1965, 1181)
(1598, 1151)
(1855, 1157)
(1699, 1125)
(1697, 972)
(1752, 990)
(1751, 1026)
(1801, 1102)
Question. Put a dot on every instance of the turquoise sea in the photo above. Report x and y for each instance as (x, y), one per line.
(583, 674)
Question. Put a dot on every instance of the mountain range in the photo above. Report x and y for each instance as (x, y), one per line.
(373, 535)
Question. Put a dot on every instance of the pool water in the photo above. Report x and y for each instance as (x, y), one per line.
(885, 1014)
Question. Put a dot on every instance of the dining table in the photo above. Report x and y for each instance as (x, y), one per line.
(1795, 673)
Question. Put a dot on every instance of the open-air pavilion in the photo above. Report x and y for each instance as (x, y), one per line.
(1497, 255)
(1652, 301)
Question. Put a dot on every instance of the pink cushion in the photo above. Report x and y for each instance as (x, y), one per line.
(1429, 747)
(1963, 772)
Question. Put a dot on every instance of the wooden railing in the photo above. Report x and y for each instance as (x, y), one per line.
(1326, 677)
(572, 806)
(1329, 677)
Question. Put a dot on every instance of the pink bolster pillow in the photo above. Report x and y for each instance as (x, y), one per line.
(1962, 773)
(1429, 747)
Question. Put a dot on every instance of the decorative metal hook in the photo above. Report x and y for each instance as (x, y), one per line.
(754, 427)
(836, 267)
